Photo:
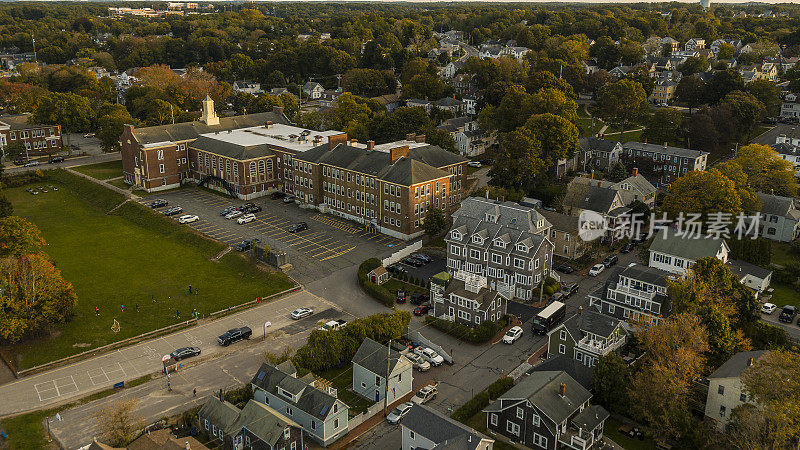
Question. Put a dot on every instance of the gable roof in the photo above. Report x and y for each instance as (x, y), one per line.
(373, 356)
(19, 121)
(484, 296)
(437, 427)
(542, 389)
(590, 197)
(734, 367)
(777, 205)
(262, 421)
(220, 412)
(185, 131)
(561, 222)
(311, 400)
(667, 150)
(576, 369)
(597, 144)
(685, 246)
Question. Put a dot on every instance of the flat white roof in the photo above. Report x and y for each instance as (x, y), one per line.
(280, 135)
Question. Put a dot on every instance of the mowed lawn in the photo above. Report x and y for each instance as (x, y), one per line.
(111, 261)
(101, 171)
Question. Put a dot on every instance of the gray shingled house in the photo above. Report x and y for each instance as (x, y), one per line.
(256, 426)
(370, 365)
(424, 428)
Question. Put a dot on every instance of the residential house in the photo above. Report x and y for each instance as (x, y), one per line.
(419, 103)
(424, 428)
(635, 188)
(564, 234)
(662, 164)
(451, 104)
(505, 242)
(470, 105)
(780, 218)
(313, 90)
(788, 64)
(634, 293)
(579, 371)
(390, 101)
(586, 337)
(465, 84)
(256, 426)
(620, 71)
(35, 138)
(663, 91)
(371, 364)
(717, 44)
(318, 412)
(156, 439)
(516, 52)
(329, 97)
(603, 201)
(790, 107)
(670, 43)
(788, 148)
(247, 87)
(600, 153)
(388, 187)
(756, 278)
(725, 388)
(590, 66)
(449, 70)
(466, 299)
(677, 253)
(548, 410)
(694, 44)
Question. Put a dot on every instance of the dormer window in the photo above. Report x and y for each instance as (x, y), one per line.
(522, 247)
(539, 223)
(491, 218)
(499, 243)
(477, 240)
(456, 235)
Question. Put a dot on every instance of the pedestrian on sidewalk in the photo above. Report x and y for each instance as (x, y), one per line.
(190, 288)
(169, 386)
(153, 297)
(178, 314)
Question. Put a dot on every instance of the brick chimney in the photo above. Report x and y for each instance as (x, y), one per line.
(278, 110)
(562, 390)
(129, 128)
(410, 136)
(333, 141)
(750, 361)
(268, 124)
(370, 145)
(420, 138)
(635, 171)
(397, 153)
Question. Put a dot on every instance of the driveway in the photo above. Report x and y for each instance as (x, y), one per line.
(425, 272)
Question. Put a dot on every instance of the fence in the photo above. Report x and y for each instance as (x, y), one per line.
(402, 253)
(416, 336)
(355, 421)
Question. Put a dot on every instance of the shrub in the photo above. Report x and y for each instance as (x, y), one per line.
(482, 399)
(375, 291)
(478, 335)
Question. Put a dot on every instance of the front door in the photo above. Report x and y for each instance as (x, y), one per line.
(377, 395)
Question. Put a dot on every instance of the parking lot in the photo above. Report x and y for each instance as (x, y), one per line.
(329, 243)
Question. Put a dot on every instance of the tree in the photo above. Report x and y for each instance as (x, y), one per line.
(768, 93)
(18, 237)
(693, 65)
(553, 101)
(6, 208)
(734, 172)
(435, 221)
(610, 381)
(557, 136)
(618, 172)
(766, 171)
(118, 423)
(747, 110)
(701, 133)
(702, 192)
(512, 112)
(14, 150)
(518, 158)
(664, 126)
(722, 83)
(691, 90)
(71, 111)
(111, 119)
(641, 75)
(622, 102)
(674, 356)
(541, 79)
(726, 52)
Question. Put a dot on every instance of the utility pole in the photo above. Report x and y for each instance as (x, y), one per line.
(388, 368)
(33, 41)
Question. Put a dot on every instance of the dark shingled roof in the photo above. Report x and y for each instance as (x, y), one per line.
(542, 390)
(596, 144)
(261, 420)
(437, 427)
(591, 197)
(656, 148)
(741, 268)
(590, 417)
(191, 130)
(736, 365)
(19, 121)
(560, 222)
(685, 246)
(312, 400)
(775, 204)
(484, 296)
(576, 369)
(372, 356)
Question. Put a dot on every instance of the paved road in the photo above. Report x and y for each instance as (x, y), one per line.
(71, 162)
(101, 372)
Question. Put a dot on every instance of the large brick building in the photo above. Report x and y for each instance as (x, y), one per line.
(36, 138)
(388, 187)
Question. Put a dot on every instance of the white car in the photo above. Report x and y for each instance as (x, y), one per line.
(512, 335)
(399, 412)
(418, 362)
(246, 218)
(768, 308)
(188, 218)
(596, 269)
(425, 395)
(233, 214)
(476, 164)
(299, 313)
(429, 355)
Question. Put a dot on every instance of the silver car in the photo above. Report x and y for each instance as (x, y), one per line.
(399, 412)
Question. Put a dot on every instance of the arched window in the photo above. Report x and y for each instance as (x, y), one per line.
(269, 165)
(261, 166)
(213, 162)
(252, 169)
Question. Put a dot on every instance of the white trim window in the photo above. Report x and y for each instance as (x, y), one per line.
(540, 440)
(492, 419)
(512, 428)
(520, 413)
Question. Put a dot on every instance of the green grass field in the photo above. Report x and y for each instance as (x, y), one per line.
(120, 183)
(112, 260)
(101, 171)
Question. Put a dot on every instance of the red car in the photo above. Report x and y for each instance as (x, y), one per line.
(422, 309)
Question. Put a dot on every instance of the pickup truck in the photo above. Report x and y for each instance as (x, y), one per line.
(333, 325)
(233, 335)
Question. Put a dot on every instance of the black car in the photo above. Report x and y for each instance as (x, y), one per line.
(277, 195)
(569, 289)
(400, 296)
(396, 270)
(301, 226)
(185, 352)
(172, 211)
(610, 260)
(788, 313)
(246, 206)
(418, 299)
(563, 268)
(159, 203)
(487, 161)
(422, 257)
(246, 245)
(227, 211)
(233, 335)
(56, 159)
(413, 262)
(627, 248)
(252, 209)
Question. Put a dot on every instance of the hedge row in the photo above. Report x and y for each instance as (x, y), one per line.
(23, 178)
(326, 350)
(483, 399)
(89, 191)
(375, 291)
(478, 335)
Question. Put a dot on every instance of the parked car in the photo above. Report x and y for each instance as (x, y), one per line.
(159, 203)
(188, 218)
(557, 297)
(418, 362)
(424, 395)
(227, 211)
(422, 257)
(333, 325)
(768, 308)
(288, 199)
(512, 335)
(184, 352)
(296, 228)
(610, 260)
(247, 218)
(31, 164)
(299, 313)
(487, 161)
(422, 309)
(233, 335)
(246, 244)
(430, 355)
(788, 313)
(56, 159)
(244, 207)
(475, 164)
(399, 412)
(564, 268)
(418, 298)
(88, 135)
(172, 211)
(277, 195)
(400, 296)
(640, 238)
(252, 209)
(569, 289)
(596, 270)
(394, 269)
(412, 262)
(233, 214)
(627, 248)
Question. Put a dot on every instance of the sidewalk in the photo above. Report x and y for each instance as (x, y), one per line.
(372, 422)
